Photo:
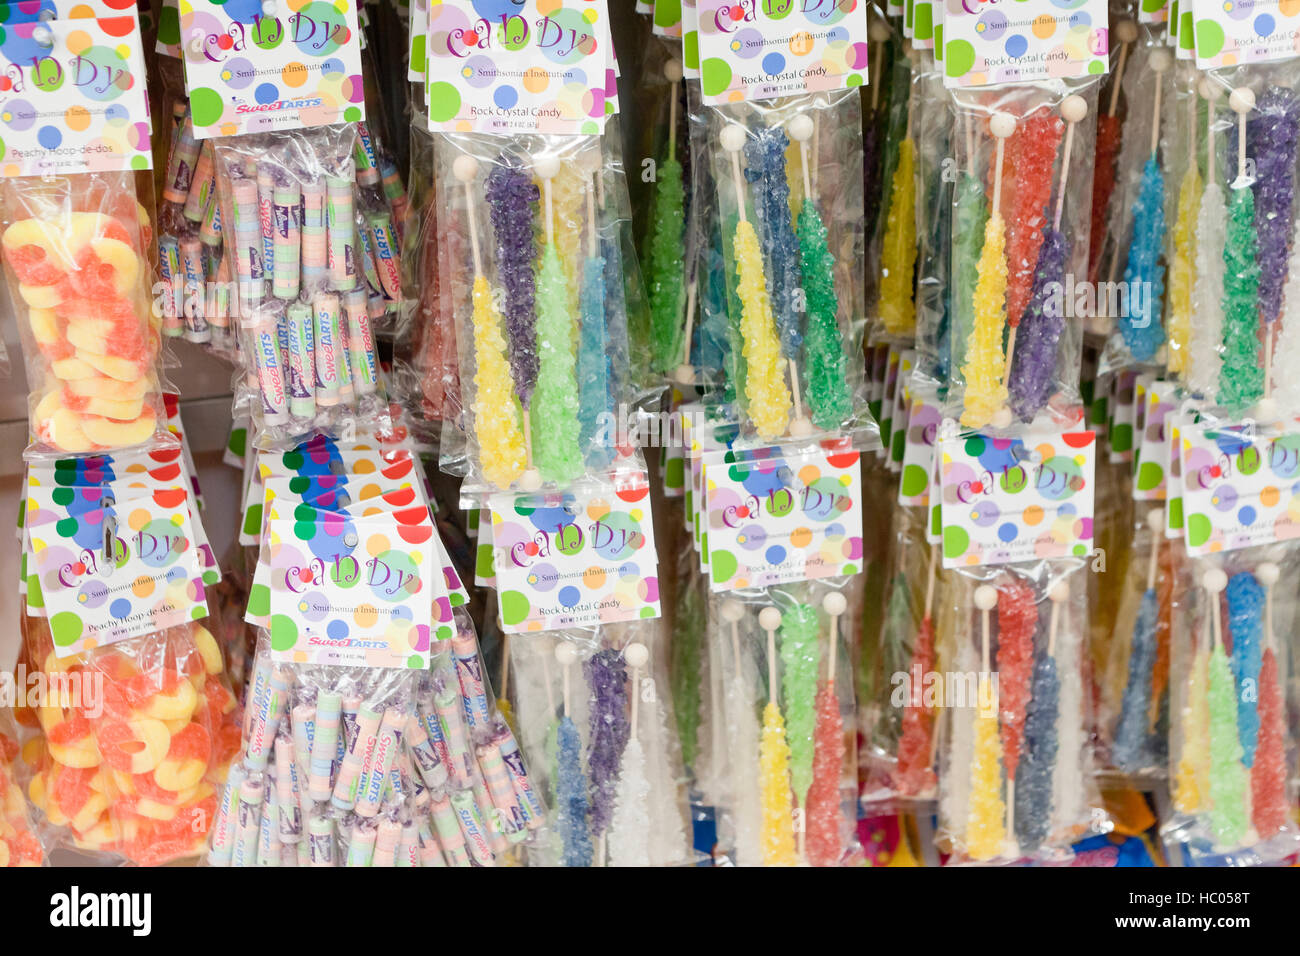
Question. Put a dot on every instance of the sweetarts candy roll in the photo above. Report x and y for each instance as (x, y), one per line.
(169, 269)
(266, 219)
(258, 711)
(303, 720)
(430, 852)
(268, 839)
(196, 322)
(493, 825)
(347, 394)
(302, 360)
(451, 717)
(514, 761)
(472, 826)
(387, 255)
(361, 844)
(351, 705)
(210, 224)
(408, 848)
(341, 226)
(433, 726)
(366, 256)
(225, 825)
(287, 238)
(289, 853)
(470, 675)
(180, 165)
(324, 747)
(327, 331)
(320, 841)
(248, 238)
(361, 344)
(386, 841)
(394, 192)
(374, 776)
(502, 792)
(248, 822)
(425, 756)
(449, 834)
(357, 757)
(364, 156)
(270, 371)
(288, 790)
(202, 186)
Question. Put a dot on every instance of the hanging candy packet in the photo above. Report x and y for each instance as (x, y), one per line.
(130, 747)
(75, 253)
(1231, 735)
(787, 701)
(542, 392)
(305, 324)
(1016, 761)
(1018, 237)
(594, 707)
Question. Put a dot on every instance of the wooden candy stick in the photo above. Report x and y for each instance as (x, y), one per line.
(769, 619)
(547, 651)
(878, 32)
(833, 604)
(1126, 32)
(732, 613)
(801, 129)
(636, 656)
(566, 654)
(1059, 594)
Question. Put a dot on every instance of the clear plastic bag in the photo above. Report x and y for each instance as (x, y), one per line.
(304, 327)
(785, 661)
(125, 763)
(798, 292)
(1232, 737)
(538, 283)
(1014, 343)
(77, 265)
(595, 710)
(1016, 759)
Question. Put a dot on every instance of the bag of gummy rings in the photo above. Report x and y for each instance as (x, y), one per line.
(540, 391)
(131, 743)
(76, 262)
(794, 271)
(595, 712)
(1016, 761)
(304, 321)
(19, 845)
(1232, 735)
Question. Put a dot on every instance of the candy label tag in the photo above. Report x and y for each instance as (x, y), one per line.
(1234, 34)
(252, 68)
(350, 591)
(774, 517)
(918, 448)
(760, 49)
(73, 97)
(1237, 487)
(1016, 499)
(573, 561)
(1151, 463)
(994, 41)
(108, 570)
(531, 66)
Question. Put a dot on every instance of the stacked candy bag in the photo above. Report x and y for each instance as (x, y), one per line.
(346, 766)
(125, 767)
(76, 260)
